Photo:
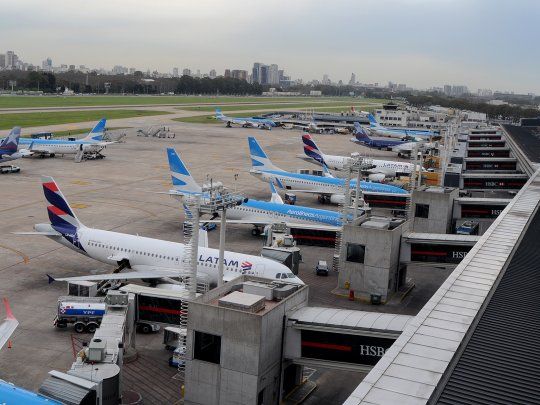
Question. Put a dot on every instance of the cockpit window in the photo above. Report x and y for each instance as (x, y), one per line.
(278, 275)
(291, 275)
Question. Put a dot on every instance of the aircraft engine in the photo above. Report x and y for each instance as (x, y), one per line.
(377, 177)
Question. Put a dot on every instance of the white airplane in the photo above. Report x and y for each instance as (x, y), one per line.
(147, 258)
(327, 187)
(255, 212)
(92, 143)
(380, 170)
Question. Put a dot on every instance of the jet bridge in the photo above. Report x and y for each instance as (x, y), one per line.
(340, 338)
(436, 248)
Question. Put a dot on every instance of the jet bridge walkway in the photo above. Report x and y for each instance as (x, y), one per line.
(340, 338)
(436, 248)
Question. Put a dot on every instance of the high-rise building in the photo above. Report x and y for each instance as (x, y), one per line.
(71, 67)
(227, 73)
(212, 74)
(132, 70)
(238, 74)
(256, 73)
(326, 80)
(2, 60)
(447, 89)
(352, 82)
(273, 74)
(175, 72)
(186, 72)
(10, 59)
(263, 74)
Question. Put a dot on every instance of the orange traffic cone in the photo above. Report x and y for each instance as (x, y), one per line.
(9, 344)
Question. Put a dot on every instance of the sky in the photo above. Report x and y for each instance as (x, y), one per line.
(478, 43)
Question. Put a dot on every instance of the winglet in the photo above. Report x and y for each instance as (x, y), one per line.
(9, 314)
(276, 198)
(51, 279)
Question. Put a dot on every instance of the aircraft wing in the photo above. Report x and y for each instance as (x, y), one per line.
(37, 233)
(319, 227)
(129, 275)
(8, 325)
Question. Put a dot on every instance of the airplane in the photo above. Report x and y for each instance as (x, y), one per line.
(9, 393)
(254, 122)
(9, 146)
(379, 130)
(255, 212)
(147, 258)
(92, 143)
(327, 186)
(380, 168)
(402, 147)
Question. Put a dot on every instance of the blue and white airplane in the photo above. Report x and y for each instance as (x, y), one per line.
(9, 393)
(327, 186)
(379, 130)
(255, 212)
(92, 143)
(254, 122)
(9, 145)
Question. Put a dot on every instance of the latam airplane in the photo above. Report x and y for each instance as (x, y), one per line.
(9, 145)
(327, 186)
(9, 393)
(92, 143)
(146, 258)
(255, 212)
(254, 122)
(379, 130)
(380, 169)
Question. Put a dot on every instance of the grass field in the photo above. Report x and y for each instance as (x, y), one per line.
(209, 119)
(35, 119)
(341, 104)
(79, 101)
(79, 131)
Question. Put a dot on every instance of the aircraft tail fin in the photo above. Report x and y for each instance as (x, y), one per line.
(276, 198)
(259, 159)
(218, 113)
(96, 134)
(311, 149)
(60, 213)
(11, 142)
(373, 121)
(181, 178)
(361, 133)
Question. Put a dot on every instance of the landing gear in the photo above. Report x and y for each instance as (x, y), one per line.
(323, 199)
(228, 124)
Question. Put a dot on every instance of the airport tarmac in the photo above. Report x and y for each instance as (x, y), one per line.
(120, 193)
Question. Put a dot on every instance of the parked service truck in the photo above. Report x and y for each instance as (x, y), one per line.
(86, 313)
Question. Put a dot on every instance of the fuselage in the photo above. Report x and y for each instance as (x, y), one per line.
(401, 132)
(148, 253)
(388, 167)
(59, 146)
(320, 184)
(260, 211)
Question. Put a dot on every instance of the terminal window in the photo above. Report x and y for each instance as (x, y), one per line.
(207, 347)
(421, 211)
(355, 253)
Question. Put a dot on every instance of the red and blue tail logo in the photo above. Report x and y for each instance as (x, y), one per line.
(311, 149)
(62, 218)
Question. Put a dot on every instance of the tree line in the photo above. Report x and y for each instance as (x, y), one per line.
(136, 83)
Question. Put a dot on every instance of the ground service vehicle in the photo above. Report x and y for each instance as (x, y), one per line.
(322, 268)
